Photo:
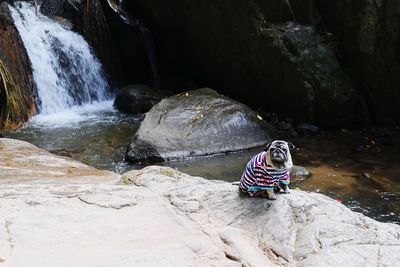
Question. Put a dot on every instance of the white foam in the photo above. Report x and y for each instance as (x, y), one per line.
(88, 113)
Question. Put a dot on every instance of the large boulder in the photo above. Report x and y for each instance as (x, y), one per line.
(368, 33)
(138, 98)
(196, 123)
(250, 52)
(17, 88)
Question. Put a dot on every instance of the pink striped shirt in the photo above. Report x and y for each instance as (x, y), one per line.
(259, 175)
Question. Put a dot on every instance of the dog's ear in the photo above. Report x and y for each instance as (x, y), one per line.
(267, 146)
(291, 146)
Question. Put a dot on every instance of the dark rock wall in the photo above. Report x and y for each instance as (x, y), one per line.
(272, 55)
(130, 47)
(245, 49)
(92, 23)
(368, 32)
(17, 87)
(52, 7)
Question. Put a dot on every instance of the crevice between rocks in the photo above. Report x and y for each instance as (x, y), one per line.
(111, 206)
(7, 224)
(319, 242)
(378, 263)
(268, 251)
(231, 257)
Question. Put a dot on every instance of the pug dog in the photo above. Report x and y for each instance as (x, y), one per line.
(268, 171)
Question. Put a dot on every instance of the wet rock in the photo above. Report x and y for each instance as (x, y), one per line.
(68, 9)
(131, 44)
(17, 88)
(285, 126)
(197, 123)
(137, 98)
(52, 7)
(290, 70)
(299, 172)
(72, 9)
(92, 23)
(307, 129)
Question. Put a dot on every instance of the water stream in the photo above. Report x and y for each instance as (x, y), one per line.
(77, 120)
(65, 70)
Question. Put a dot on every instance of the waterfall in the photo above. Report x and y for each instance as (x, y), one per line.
(66, 72)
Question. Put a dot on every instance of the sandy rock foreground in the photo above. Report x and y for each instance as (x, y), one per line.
(58, 212)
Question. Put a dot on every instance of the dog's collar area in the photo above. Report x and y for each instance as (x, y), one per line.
(265, 161)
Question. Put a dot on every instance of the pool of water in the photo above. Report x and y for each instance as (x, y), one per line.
(95, 134)
(366, 180)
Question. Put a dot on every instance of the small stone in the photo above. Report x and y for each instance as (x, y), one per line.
(283, 125)
(299, 171)
(307, 129)
(138, 98)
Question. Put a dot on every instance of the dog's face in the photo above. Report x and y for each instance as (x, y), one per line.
(278, 154)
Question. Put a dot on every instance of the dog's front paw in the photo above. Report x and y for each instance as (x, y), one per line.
(285, 189)
(271, 195)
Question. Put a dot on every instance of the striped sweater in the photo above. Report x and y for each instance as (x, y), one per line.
(259, 176)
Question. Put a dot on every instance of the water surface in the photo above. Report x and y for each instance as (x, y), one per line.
(365, 181)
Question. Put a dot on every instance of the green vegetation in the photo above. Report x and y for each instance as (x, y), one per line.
(167, 172)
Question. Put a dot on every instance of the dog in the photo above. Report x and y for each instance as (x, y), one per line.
(268, 171)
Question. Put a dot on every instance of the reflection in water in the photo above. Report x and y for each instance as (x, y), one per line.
(367, 182)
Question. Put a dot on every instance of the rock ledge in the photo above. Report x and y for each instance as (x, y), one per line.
(59, 212)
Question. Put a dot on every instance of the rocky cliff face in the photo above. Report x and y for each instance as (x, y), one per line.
(93, 25)
(17, 88)
(241, 48)
(249, 51)
(369, 36)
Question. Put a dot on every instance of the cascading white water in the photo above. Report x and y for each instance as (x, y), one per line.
(66, 72)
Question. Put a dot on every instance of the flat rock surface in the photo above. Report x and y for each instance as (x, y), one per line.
(300, 229)
(23, 162)
(160, 217)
